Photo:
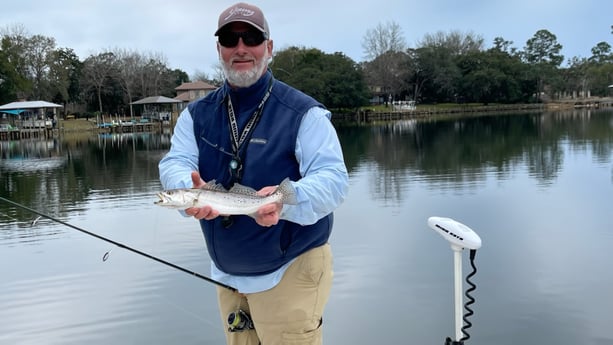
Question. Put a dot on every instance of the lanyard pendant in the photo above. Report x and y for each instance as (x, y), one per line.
(233, 164)
(235, 167)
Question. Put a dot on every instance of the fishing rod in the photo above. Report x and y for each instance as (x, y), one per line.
(120, 245)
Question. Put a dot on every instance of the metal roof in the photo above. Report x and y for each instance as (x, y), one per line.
(156, 100)
(30, 105)
(197, 85)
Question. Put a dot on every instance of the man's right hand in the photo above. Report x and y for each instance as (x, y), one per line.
(205, 212)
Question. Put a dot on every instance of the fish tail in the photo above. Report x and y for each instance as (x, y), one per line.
(289, 193)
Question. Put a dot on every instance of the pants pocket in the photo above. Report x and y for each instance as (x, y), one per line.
(315, 262)
(312, 337)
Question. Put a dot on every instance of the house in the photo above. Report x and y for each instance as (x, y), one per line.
(188, 92)
(29, 114)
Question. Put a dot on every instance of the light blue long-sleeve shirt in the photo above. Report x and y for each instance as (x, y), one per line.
(319, 192)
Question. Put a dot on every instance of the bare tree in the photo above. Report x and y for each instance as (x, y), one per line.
(455, 42)
(388, 73)
(384, 47)
(218, 74)
(383, 39)
(153, 76)
(129, 65)
(200, 76)
(96, 70)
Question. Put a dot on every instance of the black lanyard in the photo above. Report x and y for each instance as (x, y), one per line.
(236, 165)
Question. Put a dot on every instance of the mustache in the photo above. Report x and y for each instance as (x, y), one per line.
(242, 58)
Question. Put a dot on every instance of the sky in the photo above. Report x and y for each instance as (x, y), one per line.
(182, 30)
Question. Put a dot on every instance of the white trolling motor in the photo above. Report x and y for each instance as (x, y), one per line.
(460, 236)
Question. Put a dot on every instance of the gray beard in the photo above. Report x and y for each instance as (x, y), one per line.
(244, 78)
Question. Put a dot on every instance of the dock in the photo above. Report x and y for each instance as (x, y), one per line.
(129, 127)
(44, 132)
(25, 133)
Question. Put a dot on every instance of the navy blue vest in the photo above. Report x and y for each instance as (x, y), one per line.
(245, 248)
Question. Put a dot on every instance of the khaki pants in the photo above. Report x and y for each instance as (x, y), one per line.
(289, 313)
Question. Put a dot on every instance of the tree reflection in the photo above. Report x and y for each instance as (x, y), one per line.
(461, 152)
(57, 176)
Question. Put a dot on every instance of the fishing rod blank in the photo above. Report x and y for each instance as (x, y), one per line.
(121, 245)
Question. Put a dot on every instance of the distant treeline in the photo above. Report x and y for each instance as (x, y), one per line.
(442, 68)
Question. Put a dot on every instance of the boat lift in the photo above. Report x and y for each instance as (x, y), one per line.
(460, 236)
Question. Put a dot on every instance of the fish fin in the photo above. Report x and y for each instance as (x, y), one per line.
(240, 189)
(212, 185)
(289, 193)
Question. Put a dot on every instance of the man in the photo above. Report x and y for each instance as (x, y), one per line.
(257, 131)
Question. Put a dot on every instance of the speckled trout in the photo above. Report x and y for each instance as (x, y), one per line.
(238, 200)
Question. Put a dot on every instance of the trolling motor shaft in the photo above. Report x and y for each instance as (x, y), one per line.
(460, 236)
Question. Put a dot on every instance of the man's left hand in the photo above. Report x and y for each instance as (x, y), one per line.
(268, 215)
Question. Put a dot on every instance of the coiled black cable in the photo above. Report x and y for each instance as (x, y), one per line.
(471, 300)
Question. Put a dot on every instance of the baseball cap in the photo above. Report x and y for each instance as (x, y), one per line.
(243, 12)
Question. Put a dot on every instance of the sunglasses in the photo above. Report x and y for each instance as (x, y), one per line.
(229, 39)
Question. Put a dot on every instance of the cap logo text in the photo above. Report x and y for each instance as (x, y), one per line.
(240, 11)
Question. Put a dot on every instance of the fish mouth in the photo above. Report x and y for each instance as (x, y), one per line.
(162, 199)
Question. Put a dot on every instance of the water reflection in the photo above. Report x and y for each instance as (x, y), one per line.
(536, 187)
(39, 173)
(531, 185)
(458, 153)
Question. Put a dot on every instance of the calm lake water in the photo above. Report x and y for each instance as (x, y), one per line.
(537, 189)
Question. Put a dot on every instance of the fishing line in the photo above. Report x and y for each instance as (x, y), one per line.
(121, 245)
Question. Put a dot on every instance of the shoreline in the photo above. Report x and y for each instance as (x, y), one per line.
(364, 115)
(423, 111)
